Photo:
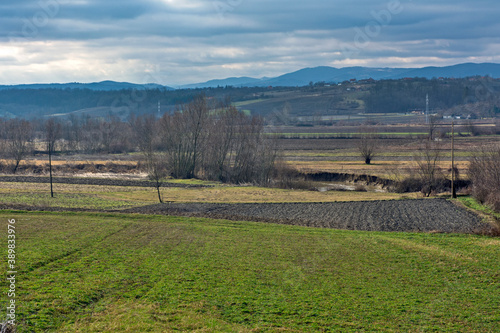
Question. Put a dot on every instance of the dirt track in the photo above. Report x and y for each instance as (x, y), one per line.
(437, 215)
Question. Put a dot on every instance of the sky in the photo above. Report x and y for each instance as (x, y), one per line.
(175, 42)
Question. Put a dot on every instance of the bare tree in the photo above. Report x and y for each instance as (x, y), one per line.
(196, 115)
(72, 133)
(18, 141)
(52, 134)
(175, 142)
(484, 172)
(254, 153)
(433, 125)
(114, 135)
(146, 129)
(368, 144)
(428, 170)
(219, 142)
(91, 136)
(157, 171)
(471, 128)
(184, 135)
(216, 143)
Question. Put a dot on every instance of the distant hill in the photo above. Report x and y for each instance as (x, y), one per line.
(298, 78)
(232, 81)
(335, 75)
(96, 86)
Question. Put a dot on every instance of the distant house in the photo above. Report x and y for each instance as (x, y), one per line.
(417, 111)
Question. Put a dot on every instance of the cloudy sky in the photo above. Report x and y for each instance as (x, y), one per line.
(185, 41)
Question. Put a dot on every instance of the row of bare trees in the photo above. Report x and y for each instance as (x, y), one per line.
(213, 142)
(204, 138)
(16, 141)
(20, 138)
(484, 172)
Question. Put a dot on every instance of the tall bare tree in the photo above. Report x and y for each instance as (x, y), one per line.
(368, 144)
(433, 126)
(18, 141)
(428, 170)
(184, 136)
(219, 142)
(146, 130)
(52, 134)
(484, 172)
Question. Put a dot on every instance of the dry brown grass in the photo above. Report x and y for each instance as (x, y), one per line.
(45, 161)
(136, 316)
(218, 194)
(384, 169)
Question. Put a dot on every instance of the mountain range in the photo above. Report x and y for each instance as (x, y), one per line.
(335, 75)
(299, 78)
(99, 86)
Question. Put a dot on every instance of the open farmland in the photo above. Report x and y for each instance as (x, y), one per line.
(84, 272)
(433, 215)
(394, 156)
(371, 211)
(324, 256)
(86, 196)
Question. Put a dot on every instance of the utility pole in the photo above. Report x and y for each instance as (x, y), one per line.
(453, 191)
(427, 109)
(50, 148)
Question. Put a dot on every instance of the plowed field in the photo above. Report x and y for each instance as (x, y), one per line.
(431, 215)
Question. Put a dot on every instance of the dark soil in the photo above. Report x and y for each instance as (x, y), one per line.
(432, 215)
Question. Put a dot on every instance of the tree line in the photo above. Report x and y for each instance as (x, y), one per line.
(33, 103)
(205, 138)
(395, 96)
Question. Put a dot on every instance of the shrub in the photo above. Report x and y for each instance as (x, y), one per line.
(286, 177)
(484, 172)
(360, 188)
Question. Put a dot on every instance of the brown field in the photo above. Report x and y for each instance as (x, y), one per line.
(395, 159)
(217, 194)
(383, 169)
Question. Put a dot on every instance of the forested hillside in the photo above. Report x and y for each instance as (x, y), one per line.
(32, 103)
(314, 100)
(391, 96)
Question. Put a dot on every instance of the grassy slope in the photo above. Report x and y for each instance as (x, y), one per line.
(473, 204)
(113, 273)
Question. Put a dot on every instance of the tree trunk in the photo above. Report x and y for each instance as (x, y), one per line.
(50, 171)
(158, 184)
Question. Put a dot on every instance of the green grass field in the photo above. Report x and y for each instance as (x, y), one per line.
(88, 272)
